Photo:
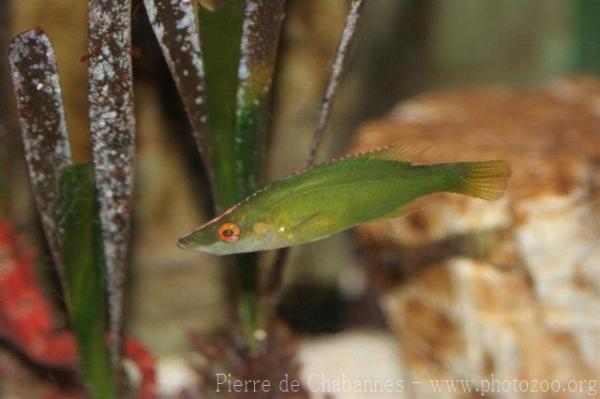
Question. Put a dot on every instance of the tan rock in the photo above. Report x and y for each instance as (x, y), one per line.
(342, 366)
(493, 292)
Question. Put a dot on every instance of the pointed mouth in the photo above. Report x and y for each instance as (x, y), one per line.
(181, 243)
(186, 241)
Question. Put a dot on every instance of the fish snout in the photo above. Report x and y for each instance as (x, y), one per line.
(181, 243)
(186, 241)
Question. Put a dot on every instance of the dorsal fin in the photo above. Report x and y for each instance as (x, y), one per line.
(399, 152)
(395, 152)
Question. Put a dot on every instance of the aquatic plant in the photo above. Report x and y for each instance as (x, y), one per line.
(222, 57)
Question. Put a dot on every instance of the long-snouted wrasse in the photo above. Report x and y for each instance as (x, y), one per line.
(337, 195)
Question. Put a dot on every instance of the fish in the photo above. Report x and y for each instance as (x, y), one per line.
(334, 196)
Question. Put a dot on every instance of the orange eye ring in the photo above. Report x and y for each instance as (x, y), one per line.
(229, 232)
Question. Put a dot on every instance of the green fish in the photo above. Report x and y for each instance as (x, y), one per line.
(334, 196)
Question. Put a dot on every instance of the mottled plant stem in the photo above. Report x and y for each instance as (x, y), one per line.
(112, 126)
(4, 116)
(239, 42)
(222, 55)
(260, 38)
(43, 126)
(176, 28)
(274, 284)
(337, 70)
(258, 51)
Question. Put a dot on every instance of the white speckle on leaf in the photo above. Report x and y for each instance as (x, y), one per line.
(176, 28)
(243, 72)
(112, 125)
(42, 121)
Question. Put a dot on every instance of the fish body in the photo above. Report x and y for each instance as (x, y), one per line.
(335, 196)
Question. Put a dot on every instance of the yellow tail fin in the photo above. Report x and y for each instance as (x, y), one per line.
(485, 179)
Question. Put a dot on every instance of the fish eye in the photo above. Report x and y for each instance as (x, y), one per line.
(229, 232)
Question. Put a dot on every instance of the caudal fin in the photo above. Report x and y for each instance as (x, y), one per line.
(484, 179)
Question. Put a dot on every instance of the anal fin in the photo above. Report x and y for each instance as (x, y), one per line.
(414, 206)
